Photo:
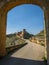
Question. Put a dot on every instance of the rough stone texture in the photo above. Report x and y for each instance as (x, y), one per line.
(47, 33)
(2, 34)
(6, 5)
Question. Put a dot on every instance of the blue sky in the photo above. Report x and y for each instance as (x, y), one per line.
(27, 16)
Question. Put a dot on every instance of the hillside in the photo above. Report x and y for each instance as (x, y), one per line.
(11, 35)
(12, 39)
(39, 38)
(41, 33)
(22, 34)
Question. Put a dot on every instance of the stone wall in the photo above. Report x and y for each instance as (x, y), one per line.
(47, 31)
(2, 33)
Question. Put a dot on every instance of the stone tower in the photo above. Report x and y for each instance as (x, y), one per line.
(23, 33)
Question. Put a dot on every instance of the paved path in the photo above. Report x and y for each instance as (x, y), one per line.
(31, 54)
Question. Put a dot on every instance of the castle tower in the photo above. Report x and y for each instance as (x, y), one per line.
(23, 33)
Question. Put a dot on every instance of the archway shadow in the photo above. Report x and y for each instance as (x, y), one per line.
(20, 61)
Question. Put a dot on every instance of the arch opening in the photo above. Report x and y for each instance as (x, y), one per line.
(29, 7)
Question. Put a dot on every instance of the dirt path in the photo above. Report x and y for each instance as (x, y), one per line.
(31, 54)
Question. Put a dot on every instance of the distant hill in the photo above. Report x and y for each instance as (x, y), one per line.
(41, 33)
(22, 34)
(26, 35)
(11, 35)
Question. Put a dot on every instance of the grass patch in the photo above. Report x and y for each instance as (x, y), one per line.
(45, 60)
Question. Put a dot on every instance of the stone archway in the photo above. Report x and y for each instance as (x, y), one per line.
(6, 5)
